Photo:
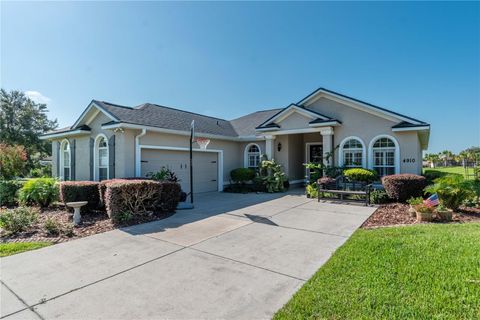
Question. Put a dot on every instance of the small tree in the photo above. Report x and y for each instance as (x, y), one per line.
(12, 161)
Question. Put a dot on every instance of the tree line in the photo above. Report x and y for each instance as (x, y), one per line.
(467, 157)
(22, 121)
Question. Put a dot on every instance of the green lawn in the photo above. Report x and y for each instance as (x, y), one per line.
(447, 170)
(415, 272)
(7, 249)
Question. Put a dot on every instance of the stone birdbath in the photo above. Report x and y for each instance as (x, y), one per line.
(76, 210)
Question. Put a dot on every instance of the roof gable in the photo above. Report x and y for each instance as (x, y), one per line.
(288, 111)
(91, 112)
(357, 104)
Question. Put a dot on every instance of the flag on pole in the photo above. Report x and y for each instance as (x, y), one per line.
(432, 201)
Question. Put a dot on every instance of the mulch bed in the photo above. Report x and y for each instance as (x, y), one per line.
(91, 223)
(396, 214)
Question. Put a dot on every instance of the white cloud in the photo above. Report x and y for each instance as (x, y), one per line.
(37, 97)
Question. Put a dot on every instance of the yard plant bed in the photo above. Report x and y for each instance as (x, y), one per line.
(92, 223)
(425, 271)
(394, 214)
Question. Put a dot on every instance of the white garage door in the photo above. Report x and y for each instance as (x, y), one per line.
(205, 167)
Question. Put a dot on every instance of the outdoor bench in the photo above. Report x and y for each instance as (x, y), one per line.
(342, 186)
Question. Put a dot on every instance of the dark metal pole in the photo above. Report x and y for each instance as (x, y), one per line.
(191, 165)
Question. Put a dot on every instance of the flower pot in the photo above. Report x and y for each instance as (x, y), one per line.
(424, 216)
(445, 215)
(412, 212)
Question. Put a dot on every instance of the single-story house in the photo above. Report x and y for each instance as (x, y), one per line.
(114, 141)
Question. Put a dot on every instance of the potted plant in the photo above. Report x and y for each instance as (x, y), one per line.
(414, 201)
(424, 213)
(443, 213)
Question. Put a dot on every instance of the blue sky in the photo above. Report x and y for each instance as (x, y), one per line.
(229, 59)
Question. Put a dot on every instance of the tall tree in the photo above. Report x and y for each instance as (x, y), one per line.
(22, 121)
(446, 155)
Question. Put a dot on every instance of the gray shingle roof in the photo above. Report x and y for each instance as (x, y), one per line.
(169, 118)
(245, 126)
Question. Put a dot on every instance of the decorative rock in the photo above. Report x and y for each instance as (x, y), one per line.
(76, 210)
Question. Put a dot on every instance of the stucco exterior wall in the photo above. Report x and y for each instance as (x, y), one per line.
(233, 152)
(366, 127)
(294, 121)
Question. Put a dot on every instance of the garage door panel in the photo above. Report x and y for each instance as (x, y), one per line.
(205, 167)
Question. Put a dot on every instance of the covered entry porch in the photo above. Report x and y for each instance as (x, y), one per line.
(293, 149)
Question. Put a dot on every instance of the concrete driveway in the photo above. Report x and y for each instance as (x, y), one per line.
(233, 256)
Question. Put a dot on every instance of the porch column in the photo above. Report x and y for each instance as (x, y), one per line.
(327, 136)
(269, 146)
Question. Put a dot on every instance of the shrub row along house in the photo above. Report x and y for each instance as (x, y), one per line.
(112, 141)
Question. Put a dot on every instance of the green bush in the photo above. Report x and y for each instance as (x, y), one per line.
(164, 174)
(452, 190)
(18, 219)
(242, 175)
(52, 227)
(8, 192)
(312, 190)
(72, 191)
(413, 201)
(379, 197)
(360, 174)
(272, 176)
(39, 191)
(123, 217)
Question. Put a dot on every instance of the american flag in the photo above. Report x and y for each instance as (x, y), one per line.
(432, 201)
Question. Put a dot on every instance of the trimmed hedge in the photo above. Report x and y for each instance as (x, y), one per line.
(140, 196)
(8, 192)
(102, 185)
(401, 187)
(135, 196)
(360, 174)
(242, 175)
(170, 196)
(71, 191)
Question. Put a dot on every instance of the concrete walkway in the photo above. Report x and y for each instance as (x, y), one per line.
(234, 256)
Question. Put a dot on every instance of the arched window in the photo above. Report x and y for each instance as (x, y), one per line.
(252, 156)
(65, 160)
(101, 158)
(352, 153)
(384, 156)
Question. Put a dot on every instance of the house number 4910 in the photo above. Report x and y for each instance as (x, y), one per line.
(409, 160)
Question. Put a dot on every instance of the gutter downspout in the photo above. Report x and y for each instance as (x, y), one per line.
(138, 153)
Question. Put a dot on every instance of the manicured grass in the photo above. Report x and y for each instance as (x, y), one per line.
(415, 272)
(455, 170)
(7, 249)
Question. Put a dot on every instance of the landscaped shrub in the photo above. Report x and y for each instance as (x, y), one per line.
(334, 172)
(360, 174)
(52, 227)
(272, 176)
(164, 174)
(379, 197)
(18, 219)
(102, 187)
(312, 190)
(39, 191)
(242, 175)
(136, 196)
(8, 192)
(452, 190)
(12, 161)
(327, 182)
(401, 187)
(72, 191)
(170, 196)
(432, 174)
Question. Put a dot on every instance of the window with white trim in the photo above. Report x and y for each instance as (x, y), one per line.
(102, 161)
(253, 156)
(352, 153)
(65, 160)
(384, 156)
